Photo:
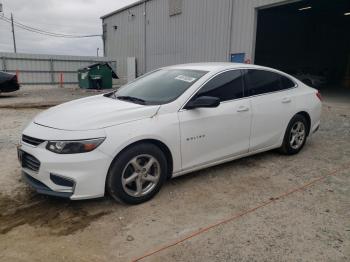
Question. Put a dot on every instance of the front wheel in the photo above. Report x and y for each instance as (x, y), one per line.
(295, 136)
(137, 174)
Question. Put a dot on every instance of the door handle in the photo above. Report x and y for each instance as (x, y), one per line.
(243, 109)
(286, 100)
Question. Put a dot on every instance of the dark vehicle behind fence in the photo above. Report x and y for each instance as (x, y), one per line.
(8, 82)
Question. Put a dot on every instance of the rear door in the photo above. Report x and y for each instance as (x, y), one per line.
(272, 106)
(210, 134)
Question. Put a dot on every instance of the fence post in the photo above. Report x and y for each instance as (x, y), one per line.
(61, 79)
(52, 72)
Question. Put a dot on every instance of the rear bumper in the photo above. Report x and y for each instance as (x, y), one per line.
(314, 128)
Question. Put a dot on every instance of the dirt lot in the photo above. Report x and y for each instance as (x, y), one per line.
(311, 224)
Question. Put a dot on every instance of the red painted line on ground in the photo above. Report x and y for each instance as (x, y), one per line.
(248, 211)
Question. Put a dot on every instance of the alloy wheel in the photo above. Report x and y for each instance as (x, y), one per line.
(297, 135)
(141, 175)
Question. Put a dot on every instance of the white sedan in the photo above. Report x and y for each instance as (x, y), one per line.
(167, 123)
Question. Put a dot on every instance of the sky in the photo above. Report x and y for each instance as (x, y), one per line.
(59, 16)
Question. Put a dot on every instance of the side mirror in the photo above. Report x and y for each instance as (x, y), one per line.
(203, 101)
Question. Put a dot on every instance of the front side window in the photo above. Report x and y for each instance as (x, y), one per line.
(159, 87)
(226, 86)
(260, 82)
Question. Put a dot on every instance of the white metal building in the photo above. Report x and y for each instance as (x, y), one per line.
(269, 32)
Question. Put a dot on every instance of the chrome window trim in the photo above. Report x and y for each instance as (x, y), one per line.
(244, 97)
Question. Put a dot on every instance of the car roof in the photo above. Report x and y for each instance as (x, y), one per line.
(212, 66)
(215, 67)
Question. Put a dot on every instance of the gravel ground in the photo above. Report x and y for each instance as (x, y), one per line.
(309, 225)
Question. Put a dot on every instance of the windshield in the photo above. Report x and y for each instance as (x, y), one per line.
(159, 87)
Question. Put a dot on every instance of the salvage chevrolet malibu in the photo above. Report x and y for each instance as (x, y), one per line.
(166, 123)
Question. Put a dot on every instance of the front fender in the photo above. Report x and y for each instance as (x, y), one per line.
(163, 128)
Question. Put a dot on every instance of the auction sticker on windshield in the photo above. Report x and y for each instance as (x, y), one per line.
(185, 78)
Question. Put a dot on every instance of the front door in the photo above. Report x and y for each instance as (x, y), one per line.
(211, 134)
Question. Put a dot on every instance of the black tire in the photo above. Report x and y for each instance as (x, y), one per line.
(116, 174)
(287, 148)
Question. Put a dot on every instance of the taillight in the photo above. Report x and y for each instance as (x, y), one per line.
(318, 94)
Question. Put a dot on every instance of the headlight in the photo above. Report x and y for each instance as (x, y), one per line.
(74, 147)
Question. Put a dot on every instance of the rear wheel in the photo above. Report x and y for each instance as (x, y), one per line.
(295, 136)
(137, 174)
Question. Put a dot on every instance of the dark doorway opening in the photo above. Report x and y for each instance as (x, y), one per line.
(308, 39)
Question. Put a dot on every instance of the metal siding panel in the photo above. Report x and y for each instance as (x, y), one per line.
(199, 33)
(127, 40)
(243, 24)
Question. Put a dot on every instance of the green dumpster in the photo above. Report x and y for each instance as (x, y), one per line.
(96, 76)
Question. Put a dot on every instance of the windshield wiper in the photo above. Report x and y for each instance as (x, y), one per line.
(132, 99)
(114, 95)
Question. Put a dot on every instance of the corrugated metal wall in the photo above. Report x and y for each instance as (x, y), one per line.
(199, 33)
(206, 30)
(125, 38)
(46, 69)
(244, 24)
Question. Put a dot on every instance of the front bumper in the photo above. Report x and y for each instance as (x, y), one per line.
(74, 176)
(41, 188)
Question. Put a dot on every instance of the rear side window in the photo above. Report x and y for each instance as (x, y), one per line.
(226, 86)
(260, 82)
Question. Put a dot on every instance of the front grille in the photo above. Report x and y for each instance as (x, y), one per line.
(31, 140)
(30, 162)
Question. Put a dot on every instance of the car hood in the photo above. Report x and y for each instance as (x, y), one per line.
(93, 113)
